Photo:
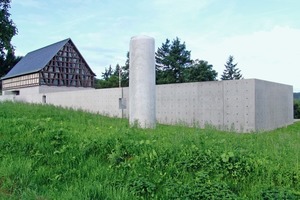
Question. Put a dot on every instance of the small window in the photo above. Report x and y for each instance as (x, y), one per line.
(16, 92)
(44, 100)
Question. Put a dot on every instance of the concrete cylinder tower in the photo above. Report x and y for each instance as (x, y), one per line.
(142, 92)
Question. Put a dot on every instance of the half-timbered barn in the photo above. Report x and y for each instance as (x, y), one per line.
(57, 65)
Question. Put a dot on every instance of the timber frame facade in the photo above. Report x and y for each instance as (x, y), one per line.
(59, 64)
(67, 68)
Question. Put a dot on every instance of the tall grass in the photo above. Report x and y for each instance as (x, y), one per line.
(53, 153)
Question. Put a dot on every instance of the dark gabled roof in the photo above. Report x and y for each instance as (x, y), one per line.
(36, 60)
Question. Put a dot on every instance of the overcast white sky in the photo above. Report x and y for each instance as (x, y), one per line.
(262, 35)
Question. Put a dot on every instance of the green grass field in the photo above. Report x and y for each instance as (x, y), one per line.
(53, 153)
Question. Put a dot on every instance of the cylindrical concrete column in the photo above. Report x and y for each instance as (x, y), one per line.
(142, 92)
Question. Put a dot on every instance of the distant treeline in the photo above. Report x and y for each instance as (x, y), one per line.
(297, 105)
(173, 65)
(297, 95)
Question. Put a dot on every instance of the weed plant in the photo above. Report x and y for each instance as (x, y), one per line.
(47, 152)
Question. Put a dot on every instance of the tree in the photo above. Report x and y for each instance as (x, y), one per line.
(296, 109)
(7, 27)
(200, 70)
(8, 30)
(231, 72)
(110, 78)
(107, 73)
(8, 62)
(125, 72)
(171, 60)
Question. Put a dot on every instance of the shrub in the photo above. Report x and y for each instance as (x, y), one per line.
(297, 109)
(278, 193)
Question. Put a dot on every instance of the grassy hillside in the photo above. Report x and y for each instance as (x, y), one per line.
(53, 153)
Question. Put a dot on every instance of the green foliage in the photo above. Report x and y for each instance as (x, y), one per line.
(200, 70)
(7, 63)
(111, 77)
(173, 65)
(8, 30)
(7, 27)
(125, 72)
(296, 109)
(171, 61)
(47, 152)
(278, 193)
(107, 74)
(231, 72)
(200, 187)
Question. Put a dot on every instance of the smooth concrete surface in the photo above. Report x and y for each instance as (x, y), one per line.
(48, 89)
(239, 105)
(8, 97)
(190, 103)
(273, 105)
(104, 101)
(142, 90)
(247, 105)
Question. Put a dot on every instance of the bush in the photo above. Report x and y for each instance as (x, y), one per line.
(278, 193)
(297, 109)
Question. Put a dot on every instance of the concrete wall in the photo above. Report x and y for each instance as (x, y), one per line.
(48, 89)
(104, 101)
(226, 105)
(273, 105)
(239, 105)
(242, 105)
(7, 97)
(190, 103)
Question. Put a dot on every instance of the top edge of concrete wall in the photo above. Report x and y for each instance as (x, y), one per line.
(220, 81)
(270, 82)
(138, 37)
(256, 79)
(202, 82)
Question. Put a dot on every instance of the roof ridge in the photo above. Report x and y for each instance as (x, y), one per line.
(35, 60)
(49, 45)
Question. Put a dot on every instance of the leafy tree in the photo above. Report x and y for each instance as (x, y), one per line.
(117, 70)
(7, 31)
(296, 109)
(200, 70)
(97, 83)
(107, 73)
(171, 61)
(231, 72)
(7, 27)
(110, 78)
(125, 72)
(173, 65)
(7, 63)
